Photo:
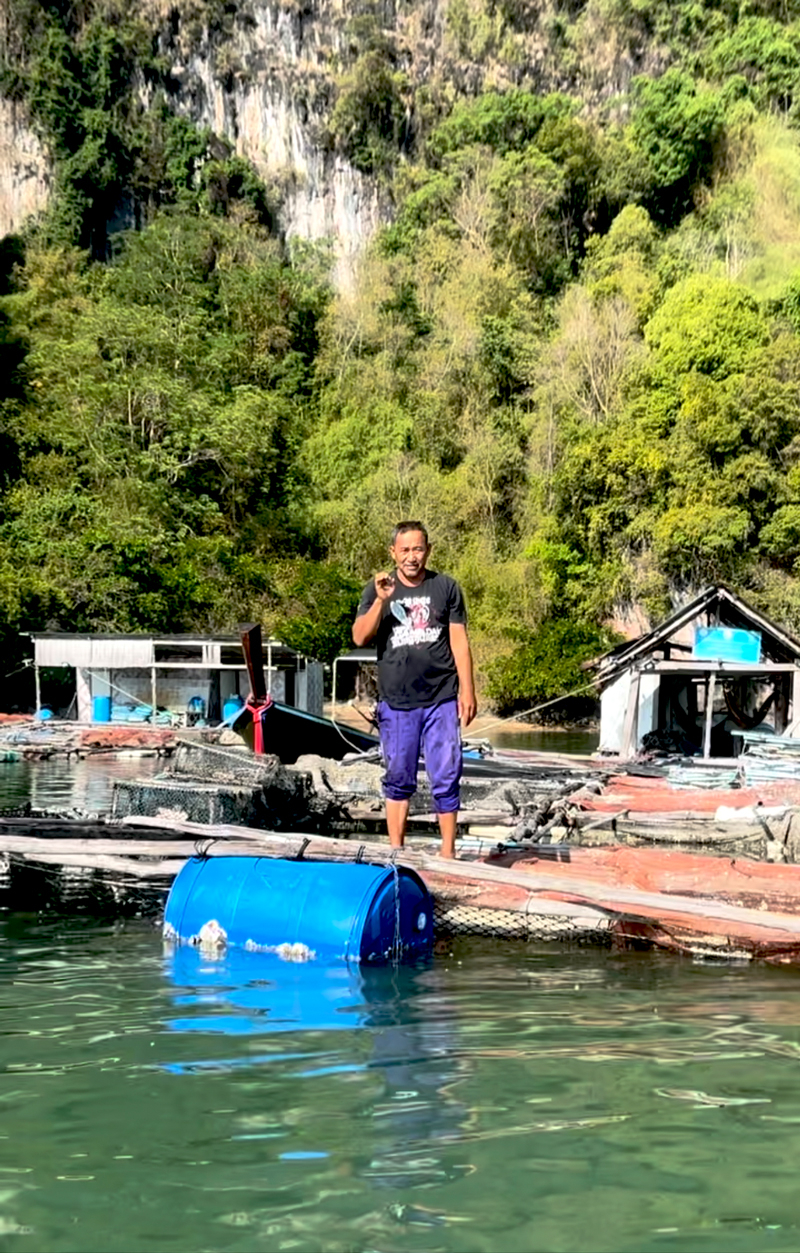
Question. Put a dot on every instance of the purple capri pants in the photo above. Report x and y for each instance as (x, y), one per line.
(435, 732)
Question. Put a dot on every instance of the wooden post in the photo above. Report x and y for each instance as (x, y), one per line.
(38, 687)
(153, 694)
(630, 729)
(780, 698)
(251, 646)
(711, 688)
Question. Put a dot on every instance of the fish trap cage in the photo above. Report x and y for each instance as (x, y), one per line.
(220, 763)
(188, 801)
(454, 919)
(217, 785)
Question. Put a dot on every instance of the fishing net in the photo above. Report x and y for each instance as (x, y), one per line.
(224, 785)
(44, 886)
(473, 920)
(190, 801)
(216, 763)
(713, 841)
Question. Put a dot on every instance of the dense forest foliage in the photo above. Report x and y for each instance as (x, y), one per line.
(575, 351)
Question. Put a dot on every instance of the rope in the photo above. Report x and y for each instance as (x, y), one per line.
(116, 688)
(515, 717)
(360, 751)
(257, 710)
(235, 754)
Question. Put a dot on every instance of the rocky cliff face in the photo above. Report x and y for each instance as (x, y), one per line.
(268, 89)
(24, 169)
(265, 76)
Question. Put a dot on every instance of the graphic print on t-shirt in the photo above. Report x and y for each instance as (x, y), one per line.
(413, 614)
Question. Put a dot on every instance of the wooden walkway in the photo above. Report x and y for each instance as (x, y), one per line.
(682, 901)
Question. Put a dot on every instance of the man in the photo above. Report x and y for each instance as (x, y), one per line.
(425, 683)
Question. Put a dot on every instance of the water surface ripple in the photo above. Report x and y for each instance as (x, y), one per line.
(503, 1097)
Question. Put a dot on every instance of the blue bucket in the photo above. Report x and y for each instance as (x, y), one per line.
(333, 909)
(101, 709)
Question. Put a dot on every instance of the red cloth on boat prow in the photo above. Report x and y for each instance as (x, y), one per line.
(257, 710)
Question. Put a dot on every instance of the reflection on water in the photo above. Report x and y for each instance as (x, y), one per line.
(583, 742)
(500, 1097)
(60, 784)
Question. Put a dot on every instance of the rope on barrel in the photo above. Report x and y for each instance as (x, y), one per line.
(204, 844)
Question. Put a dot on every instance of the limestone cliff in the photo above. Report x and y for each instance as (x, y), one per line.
(24, 169)
(267, 87)
(265, 75)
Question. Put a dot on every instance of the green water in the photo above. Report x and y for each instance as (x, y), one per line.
(504, 1097)
(572, 741)
(63, 785)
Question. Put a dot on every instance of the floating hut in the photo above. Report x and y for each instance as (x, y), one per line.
(123, 678)
(700, 682)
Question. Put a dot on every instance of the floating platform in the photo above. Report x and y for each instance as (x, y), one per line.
(688, 903)
(33, 740)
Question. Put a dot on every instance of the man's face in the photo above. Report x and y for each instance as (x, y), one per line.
(409, 554)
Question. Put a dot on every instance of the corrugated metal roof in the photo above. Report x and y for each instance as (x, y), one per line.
(88, 653)
(118, 652)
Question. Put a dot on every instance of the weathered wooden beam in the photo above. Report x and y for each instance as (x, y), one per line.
(595, 894)
(631, 724)
(119, 865)
(154, 849)
(699, 666)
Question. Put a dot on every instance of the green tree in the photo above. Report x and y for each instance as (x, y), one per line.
(677, 128)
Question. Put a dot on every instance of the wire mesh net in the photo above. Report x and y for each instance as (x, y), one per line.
(190, 800)
(213, 784)
(34, 885)
(475, 920)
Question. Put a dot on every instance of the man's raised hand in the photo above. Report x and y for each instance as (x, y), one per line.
(384, 585)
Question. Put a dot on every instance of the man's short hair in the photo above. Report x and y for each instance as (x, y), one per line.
(403, 527)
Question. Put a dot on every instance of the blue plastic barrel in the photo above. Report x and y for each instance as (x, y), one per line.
(231, 707)
(336, 909)
(101, 709)
(243, 993)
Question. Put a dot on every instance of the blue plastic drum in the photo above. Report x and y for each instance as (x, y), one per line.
(101, 709)
(331, 909)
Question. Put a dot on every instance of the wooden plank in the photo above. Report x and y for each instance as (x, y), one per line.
(119, 865)
(699, 666)
(611, 898)
(628, 746)
(710, 694)
(154, 849)
(472, 817)
(254, 659)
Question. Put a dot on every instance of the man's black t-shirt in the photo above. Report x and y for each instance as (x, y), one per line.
(415, 661)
